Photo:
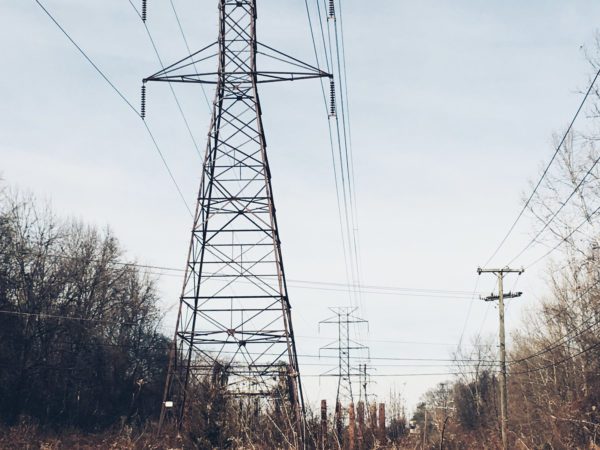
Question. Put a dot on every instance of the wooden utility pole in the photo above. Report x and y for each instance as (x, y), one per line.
(503, 385)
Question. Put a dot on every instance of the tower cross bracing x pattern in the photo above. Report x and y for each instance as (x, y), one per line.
(346, 348)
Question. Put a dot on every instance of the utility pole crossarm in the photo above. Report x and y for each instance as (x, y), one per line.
(500, 271)
(492, 297)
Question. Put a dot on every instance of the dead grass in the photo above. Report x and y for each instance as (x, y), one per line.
(28, 436)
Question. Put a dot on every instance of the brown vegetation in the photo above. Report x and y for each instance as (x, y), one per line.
(80, 346)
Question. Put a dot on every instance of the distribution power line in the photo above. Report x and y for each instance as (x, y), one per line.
(546, 169)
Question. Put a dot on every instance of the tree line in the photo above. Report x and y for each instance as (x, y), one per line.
(79, 330)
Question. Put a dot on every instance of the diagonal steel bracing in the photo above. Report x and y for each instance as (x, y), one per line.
(234, 323)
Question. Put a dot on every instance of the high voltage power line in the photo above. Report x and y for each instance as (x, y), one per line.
(175, 97)
(187, 46)
(339, 138)
(122, 96)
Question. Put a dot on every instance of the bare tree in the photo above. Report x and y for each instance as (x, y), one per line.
(79, 329)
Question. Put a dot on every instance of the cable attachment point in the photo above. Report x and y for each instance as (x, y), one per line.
(331, 9)
(331, 98)
(144, 9)
(143, 108)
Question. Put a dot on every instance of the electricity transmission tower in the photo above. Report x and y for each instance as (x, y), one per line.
(344, 345)
(500, 273)
(234, 326)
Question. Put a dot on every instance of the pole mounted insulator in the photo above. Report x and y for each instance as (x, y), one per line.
(143, 108)
(144, 10)
(331, 98)
(332, 9)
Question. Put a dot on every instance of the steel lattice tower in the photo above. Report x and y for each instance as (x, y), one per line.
(344, 346)
(234, 325)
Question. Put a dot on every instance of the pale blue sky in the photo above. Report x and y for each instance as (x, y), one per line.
(453, 107)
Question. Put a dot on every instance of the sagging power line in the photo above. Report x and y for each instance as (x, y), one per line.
(546, 169)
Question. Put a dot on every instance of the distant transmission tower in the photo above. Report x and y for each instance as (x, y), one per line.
(234, 327)
(344, 346)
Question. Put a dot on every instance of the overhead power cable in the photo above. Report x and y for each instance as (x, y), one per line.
(63, 317)
(394, 375)
(566, 238)
(392, 341)
(556, 345)
(545, 172)
(83, 53)
(562, 361)
(466, 322)
(563, 204)
(122, 96)
(347, 134)
(313, 356)
(398, 375)
(339, 149)
(160, 61)
(337, 177)
(311, 284)
(567, 337)
(187, 46)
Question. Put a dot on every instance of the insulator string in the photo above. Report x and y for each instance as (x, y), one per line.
(143, 108)
(331, 98)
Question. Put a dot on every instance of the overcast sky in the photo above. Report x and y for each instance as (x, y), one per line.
(453, 108)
